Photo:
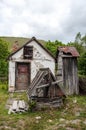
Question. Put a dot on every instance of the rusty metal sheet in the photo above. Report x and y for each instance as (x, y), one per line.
(71, 50)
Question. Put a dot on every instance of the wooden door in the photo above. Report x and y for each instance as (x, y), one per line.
(70, 77)
(22, 76)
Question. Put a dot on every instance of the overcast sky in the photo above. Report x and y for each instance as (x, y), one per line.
(44, 19)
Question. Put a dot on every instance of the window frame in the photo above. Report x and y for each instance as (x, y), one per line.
(28, 52)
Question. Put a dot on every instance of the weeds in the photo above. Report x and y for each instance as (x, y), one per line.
(50, 119)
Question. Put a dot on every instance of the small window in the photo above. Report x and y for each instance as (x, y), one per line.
(28, 52)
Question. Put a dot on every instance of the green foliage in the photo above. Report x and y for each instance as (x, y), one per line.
(52, 46)
(84, 40)
(78, 37)
(3, 49)
(3, 68)
(82, 64)
(3, 86)
(3, 56)
(32, 105)
(80, 45)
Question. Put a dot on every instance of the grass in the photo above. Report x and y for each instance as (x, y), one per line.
(21, 40)
(54, 119)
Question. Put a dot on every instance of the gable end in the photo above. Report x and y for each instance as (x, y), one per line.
(32, 39)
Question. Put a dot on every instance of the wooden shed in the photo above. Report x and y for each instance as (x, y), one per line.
(67, 69)
(26, 61)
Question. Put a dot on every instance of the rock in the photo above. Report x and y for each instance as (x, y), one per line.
(11, 110)
(37, 121)
(77, 113)
(18, 106)
(15, 105)
(75, 121)
(38, 117)
(69, 128)
(62, 125)
(49, 120)
(21, 104)
(84, 122)
(75, 101)
(66, 122)
(61, 119)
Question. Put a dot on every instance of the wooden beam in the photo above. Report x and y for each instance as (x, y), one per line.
(56, 82)
(46, 85)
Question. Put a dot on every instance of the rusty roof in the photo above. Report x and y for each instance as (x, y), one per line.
(71, 50)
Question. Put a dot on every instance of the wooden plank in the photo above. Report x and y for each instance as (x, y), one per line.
(46, 85)
(43, 79)
(66, 56)
(42, 73)
(56, 82)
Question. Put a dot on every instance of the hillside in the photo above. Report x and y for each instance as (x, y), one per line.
(21, 40)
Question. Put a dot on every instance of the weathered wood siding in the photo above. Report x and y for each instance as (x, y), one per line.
(59, 74)
(60, 64)
(70, 77)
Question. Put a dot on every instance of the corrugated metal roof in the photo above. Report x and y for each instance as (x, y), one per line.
(71, 50)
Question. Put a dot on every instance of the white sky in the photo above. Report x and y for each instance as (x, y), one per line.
(44, 19)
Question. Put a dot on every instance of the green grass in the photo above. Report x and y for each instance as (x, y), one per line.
(61, 118)
(21, 40)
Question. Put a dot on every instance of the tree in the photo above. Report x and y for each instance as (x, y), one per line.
(82, 64)
(80, 45)
(78, 38)
(3, 56)
(52, 46)
(84, 40)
